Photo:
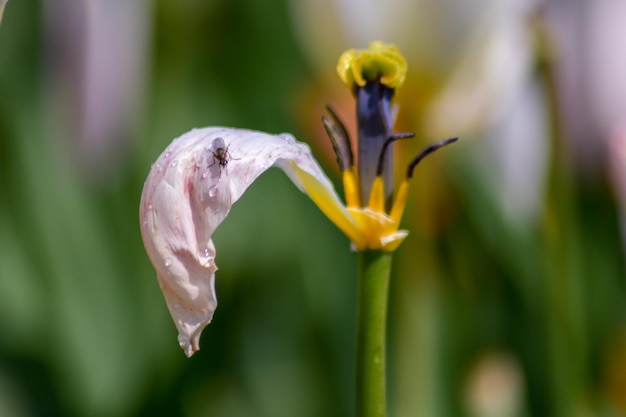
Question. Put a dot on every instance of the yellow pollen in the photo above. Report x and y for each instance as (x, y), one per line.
(380, 61)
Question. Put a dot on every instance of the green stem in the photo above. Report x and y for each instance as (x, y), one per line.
(373, 288)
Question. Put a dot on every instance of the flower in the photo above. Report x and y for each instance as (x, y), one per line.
(194, 183)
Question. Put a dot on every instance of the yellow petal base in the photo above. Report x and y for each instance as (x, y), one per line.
(380, 231)
(366, 227)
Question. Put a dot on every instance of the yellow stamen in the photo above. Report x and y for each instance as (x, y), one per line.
(380, 61)
(377, 195)
(400, 203)
(351, 188)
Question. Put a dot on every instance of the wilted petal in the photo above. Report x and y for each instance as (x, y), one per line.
(188, 193)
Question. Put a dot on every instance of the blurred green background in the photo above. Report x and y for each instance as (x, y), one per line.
(508, 297)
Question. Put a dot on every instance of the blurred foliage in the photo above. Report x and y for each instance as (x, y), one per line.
(85, 331)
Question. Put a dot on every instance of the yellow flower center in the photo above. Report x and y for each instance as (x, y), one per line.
(379, 229)
(367, 227)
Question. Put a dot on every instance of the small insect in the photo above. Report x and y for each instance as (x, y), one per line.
(220, 154)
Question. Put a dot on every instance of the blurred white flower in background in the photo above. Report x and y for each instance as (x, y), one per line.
(590, 42)
(2, 4)
(492, 93)
(97, 53)
(590, 39)
(430, 33)
(495, 387)
(617, 171)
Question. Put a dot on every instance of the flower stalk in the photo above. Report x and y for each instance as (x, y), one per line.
(374, 270)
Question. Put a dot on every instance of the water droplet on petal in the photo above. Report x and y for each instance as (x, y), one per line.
(205, 174)
(206, 256)
(174, 163)
(213, 191)
(288, 137)
(168, 262)
(145, 221)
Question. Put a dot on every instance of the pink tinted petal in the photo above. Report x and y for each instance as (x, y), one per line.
(188, 193)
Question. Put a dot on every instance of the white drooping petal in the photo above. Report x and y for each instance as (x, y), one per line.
(188, 193)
